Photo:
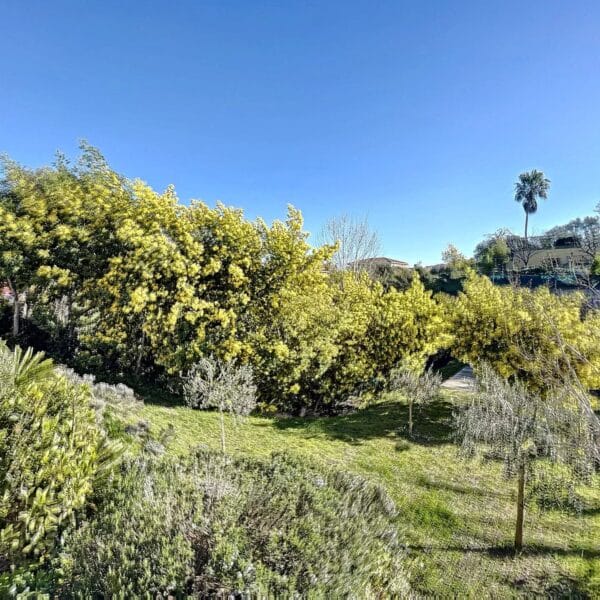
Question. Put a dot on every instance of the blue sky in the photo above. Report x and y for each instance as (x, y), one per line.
(421, 114)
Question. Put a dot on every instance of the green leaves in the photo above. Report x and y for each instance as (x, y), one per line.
(26, 367)
(52, 453)
(525, 333)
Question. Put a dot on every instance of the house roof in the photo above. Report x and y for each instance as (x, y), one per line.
(382, 260)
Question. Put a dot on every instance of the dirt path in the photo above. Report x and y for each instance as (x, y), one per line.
(464, 380)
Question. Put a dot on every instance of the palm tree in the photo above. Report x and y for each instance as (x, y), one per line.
(531, 186)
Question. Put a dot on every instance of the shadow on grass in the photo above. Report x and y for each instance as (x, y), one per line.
(590, 511)
(470, 490)
(505, 551)
(154, 394)
(386, 419)
(452, 367)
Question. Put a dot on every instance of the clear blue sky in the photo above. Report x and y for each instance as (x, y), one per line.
(421, 114)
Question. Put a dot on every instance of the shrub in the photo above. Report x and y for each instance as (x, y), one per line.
(291, 320)
(119, 398)
(520, 427)
(119, 277)
(375, 331)
(523, 333)
(225, 386)
(137, 543)
(212, 526)
(553, 487)
(51, 454)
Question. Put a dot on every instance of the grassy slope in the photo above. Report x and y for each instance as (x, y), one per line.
(457, 517)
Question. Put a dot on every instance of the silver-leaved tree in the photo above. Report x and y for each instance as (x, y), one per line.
(224, 386)
(418, 388)
(521, 427)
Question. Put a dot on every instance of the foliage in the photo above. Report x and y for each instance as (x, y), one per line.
(518, 331)
(136, 543)
(375, 331)
(121, 278)
(57, 227)
(456, 261)
(519, 427)
(224, 386)
(441, 278)
(418, 388)
(446, 509)
(409, 326)
(209, 525)
(551, 486)
(51, 454)
(449, 276)
(596, 266)
(493, 254)
(529, 188)
(291, 321)
(177, 288)
(389, 277)
(114, 404)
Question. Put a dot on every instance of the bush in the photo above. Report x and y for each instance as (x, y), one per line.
(137, 543)
(224, 386)
(525, 334)
(117, 398)
(377, 330)
(121, 278)
(552, 487)
(51, 454)
(209, 525)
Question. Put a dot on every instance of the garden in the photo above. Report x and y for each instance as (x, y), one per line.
(194, 404)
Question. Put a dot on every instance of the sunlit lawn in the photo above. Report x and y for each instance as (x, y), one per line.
(456, 516)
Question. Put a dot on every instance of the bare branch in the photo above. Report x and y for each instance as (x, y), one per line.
(356, 241)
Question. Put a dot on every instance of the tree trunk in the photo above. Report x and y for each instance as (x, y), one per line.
(16, 315)
(222, 418)
(526, 223)
(16, 309)
(138, 360)
(410, 419)
(520, 507)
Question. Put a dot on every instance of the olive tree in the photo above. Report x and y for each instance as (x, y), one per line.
(224, 386)
(417, 388)
(521, 427)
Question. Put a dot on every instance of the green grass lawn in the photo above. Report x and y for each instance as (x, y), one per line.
(456, 516)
